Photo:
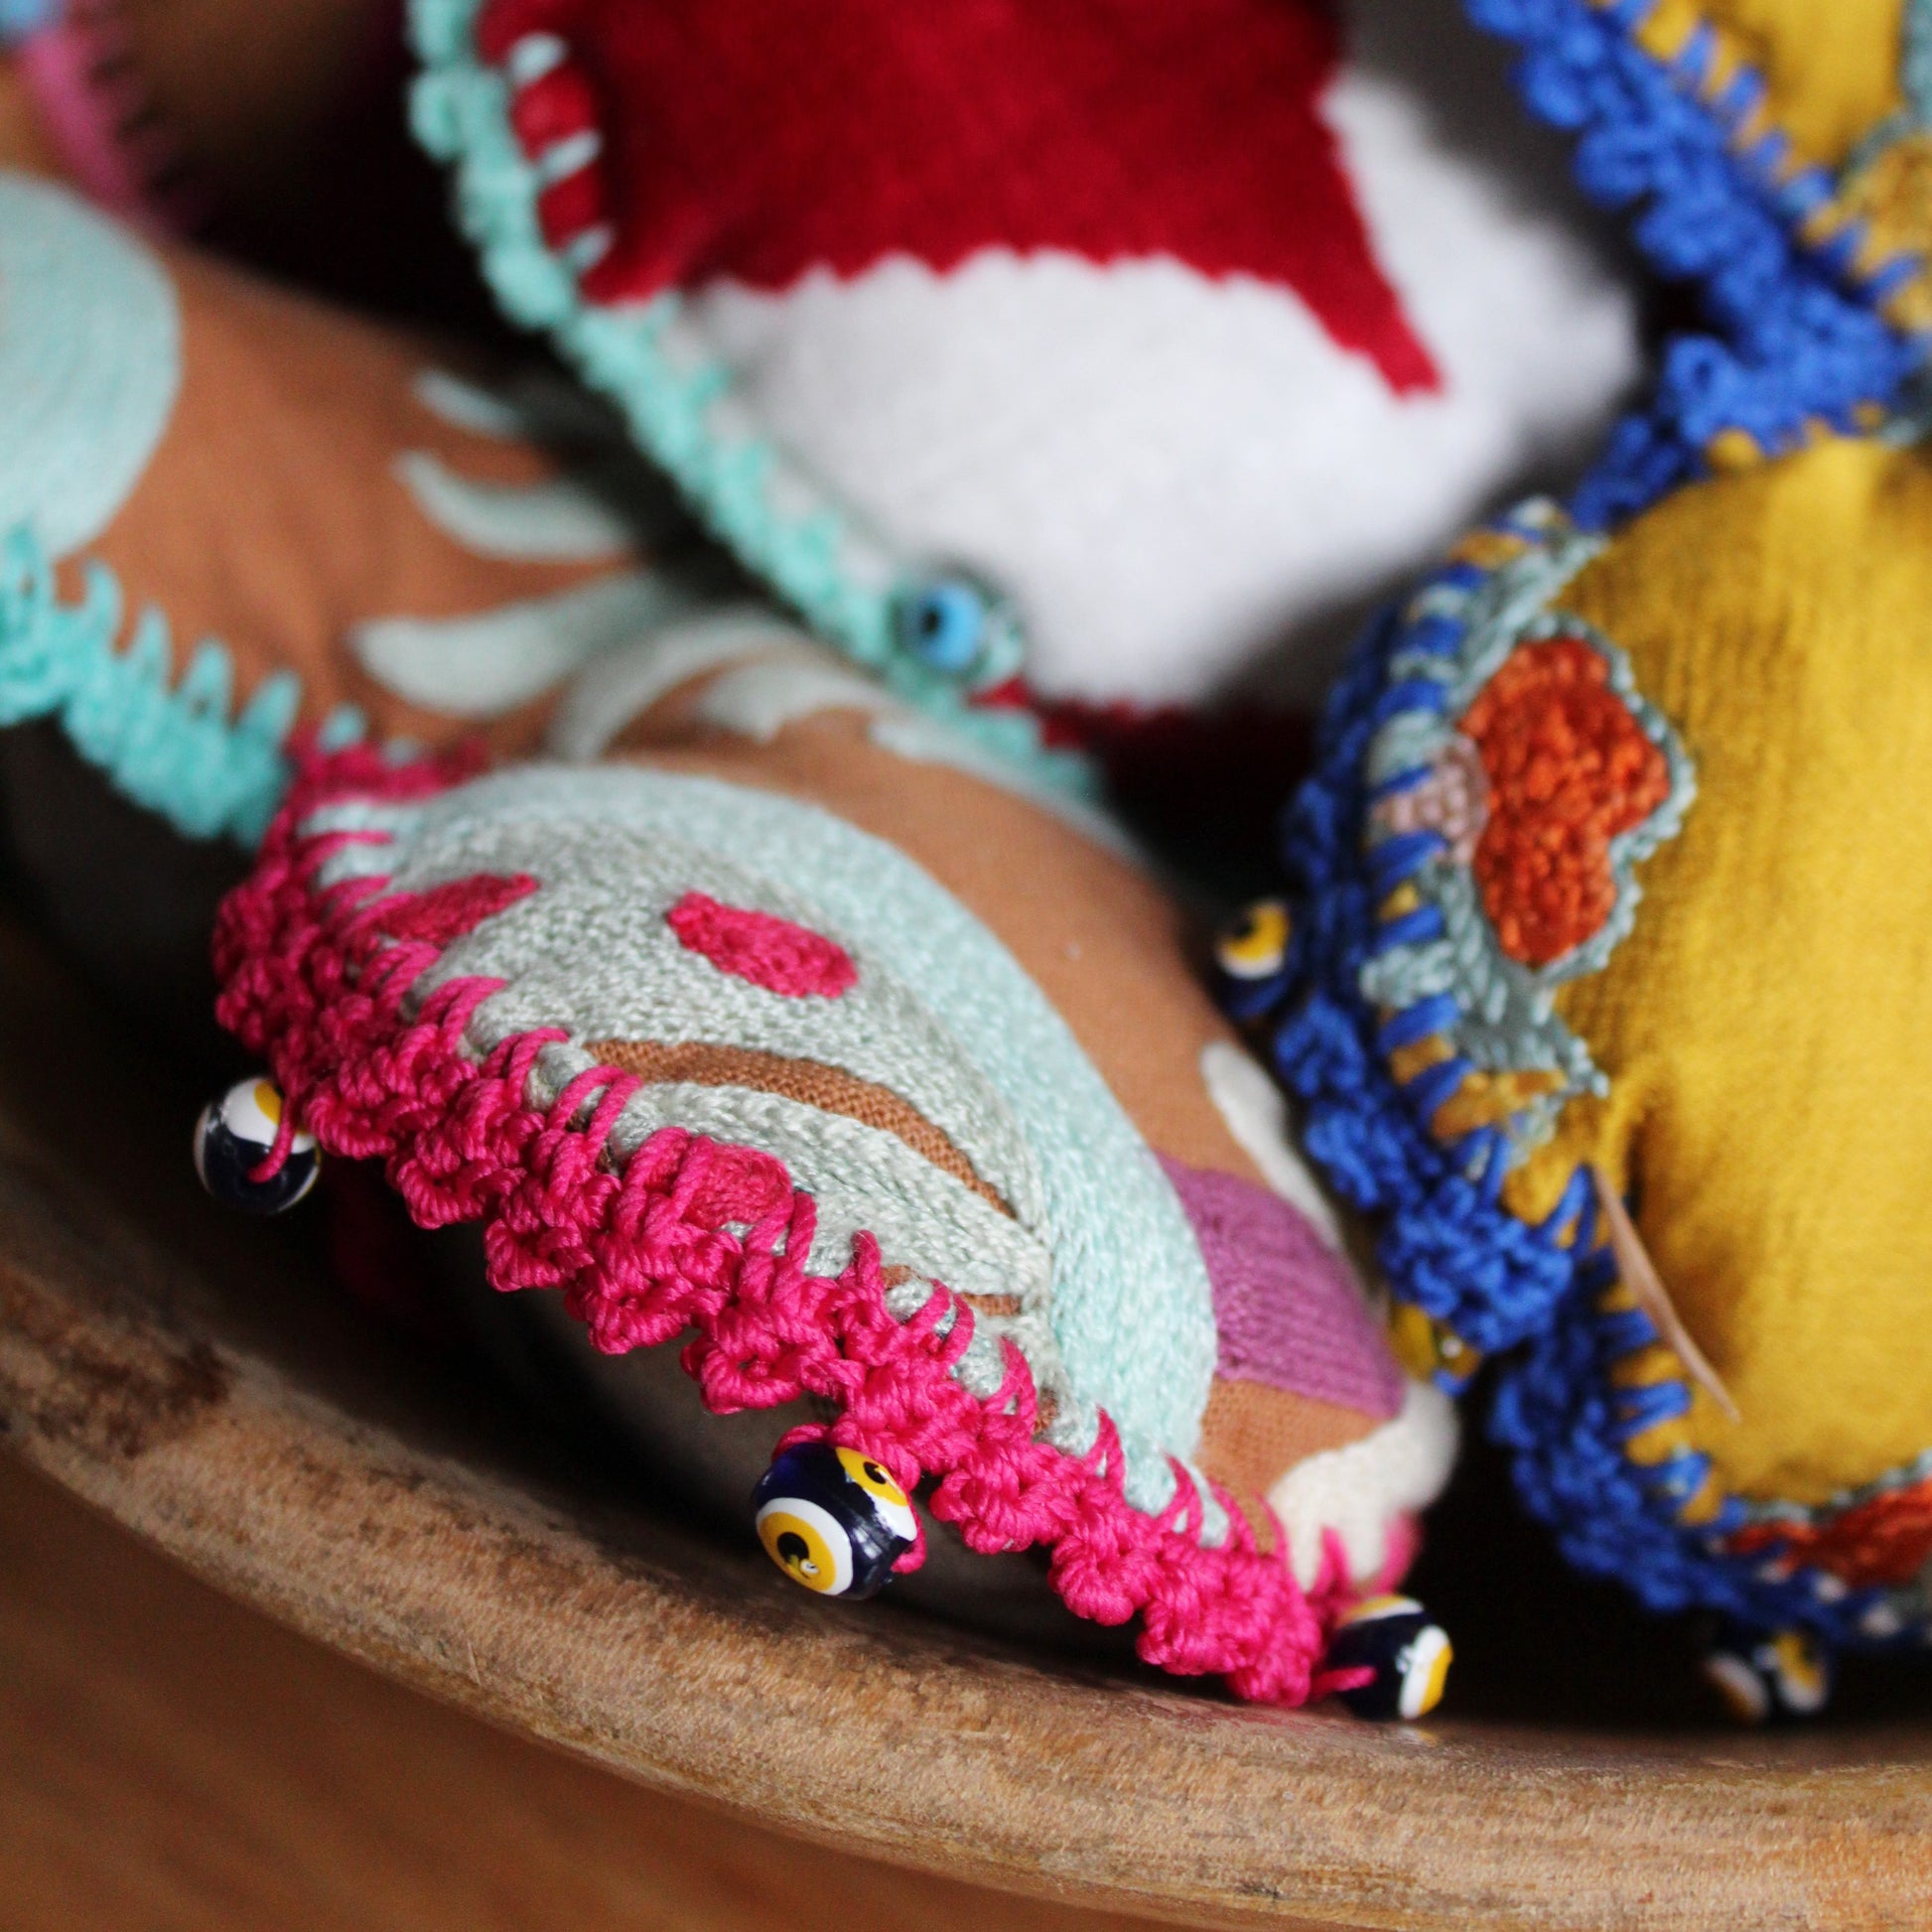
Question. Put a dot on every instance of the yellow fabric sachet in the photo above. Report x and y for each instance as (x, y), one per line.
(1647, 821)
(1765, 1016)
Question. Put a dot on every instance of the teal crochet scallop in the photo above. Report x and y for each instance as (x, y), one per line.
(645, 360)
(175, 748)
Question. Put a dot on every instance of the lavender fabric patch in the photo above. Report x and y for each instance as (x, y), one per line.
(1287, 1306)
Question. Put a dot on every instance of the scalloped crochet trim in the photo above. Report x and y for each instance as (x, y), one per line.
(177, 748)
(692, 1233)
(674, 393)
(1604, 1461)
(1467, 1031)
(1678, 140)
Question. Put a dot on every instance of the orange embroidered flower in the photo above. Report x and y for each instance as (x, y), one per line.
(1884, 1541)
(1570, 770)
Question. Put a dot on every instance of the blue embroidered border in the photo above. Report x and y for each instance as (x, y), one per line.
(1445, 1239)
(1449, 1245)
(1568, 1429)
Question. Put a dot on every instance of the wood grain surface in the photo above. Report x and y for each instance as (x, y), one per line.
(173, 1761)
(202, 1382)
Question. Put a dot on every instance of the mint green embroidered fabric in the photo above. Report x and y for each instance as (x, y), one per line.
(90, 362)
(1132, 1309)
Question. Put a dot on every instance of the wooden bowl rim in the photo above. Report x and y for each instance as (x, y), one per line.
(150, 1362)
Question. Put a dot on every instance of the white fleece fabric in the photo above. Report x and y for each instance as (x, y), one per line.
(1361, 1490)
(1181, 481)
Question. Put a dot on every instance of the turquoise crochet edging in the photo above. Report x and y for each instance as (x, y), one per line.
(173, 749)
(459, 110)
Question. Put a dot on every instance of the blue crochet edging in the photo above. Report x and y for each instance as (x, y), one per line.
(667, 395)
(175, 750)
(1567, 1429)
(1447, 1243)
(1446, 1240)
(1800, 340)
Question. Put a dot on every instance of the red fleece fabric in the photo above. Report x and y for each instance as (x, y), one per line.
(754, 140)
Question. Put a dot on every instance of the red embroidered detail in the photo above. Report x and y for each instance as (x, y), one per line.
(446, 912)
(1885, 1541)
(755, 140)
(1568, 770)
(770, 952)
(647, 1252)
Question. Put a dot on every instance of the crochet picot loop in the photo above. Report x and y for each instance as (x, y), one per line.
(506, 99)
(689, 1234)
(175, 747)
(1817, 328)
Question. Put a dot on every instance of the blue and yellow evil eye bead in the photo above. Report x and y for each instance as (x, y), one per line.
(234, 1137)
(960, 629)
(1254, 947)
(1409, 1653)
(1430, 1351)
(1252, 955)
(833, 1520)
(1785, 1675)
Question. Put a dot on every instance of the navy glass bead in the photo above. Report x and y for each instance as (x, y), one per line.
(958, 629)
(234, 1137)
(833, 1520)
(1410, 1654)
(1763, 1677)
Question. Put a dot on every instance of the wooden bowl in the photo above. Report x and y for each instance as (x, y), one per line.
(204, 1382)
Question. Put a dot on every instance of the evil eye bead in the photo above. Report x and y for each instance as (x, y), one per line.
(1430, 1351)
(959, 629)
(1410, 1654)
(1255, 946)
(1761, 1678)
(891, 1504)
(232, 1138)
(833, 1520)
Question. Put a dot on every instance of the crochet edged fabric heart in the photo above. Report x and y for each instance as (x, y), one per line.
(790, 1027)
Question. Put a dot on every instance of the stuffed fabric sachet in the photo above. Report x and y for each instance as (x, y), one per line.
(1141, 344)
(1608, 991)
(791, 1027)
(230, 517)
(1604, 972)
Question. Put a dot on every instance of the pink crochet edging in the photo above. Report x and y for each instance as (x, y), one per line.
(315, 979)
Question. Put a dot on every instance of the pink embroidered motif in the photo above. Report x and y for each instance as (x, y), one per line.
(762, 947)
(446, 912)
(1452, 800)
(645, 1250)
